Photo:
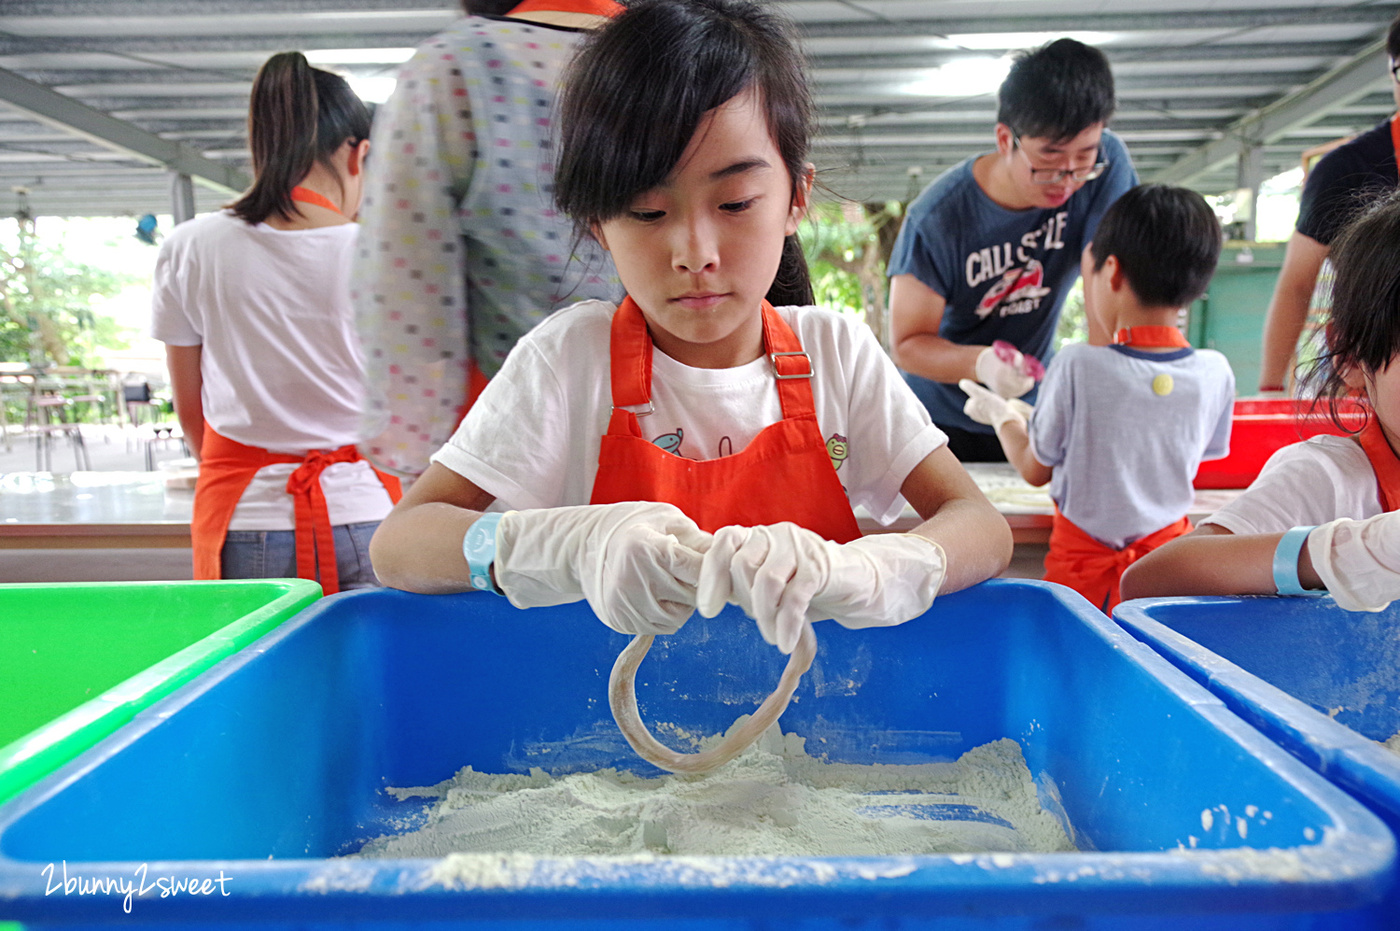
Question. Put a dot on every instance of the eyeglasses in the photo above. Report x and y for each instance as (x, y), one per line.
(1057, 175)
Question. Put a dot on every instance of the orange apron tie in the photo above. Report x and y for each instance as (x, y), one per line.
(784, 474)
(1383, 462)
(1092, 568)
(225, 469)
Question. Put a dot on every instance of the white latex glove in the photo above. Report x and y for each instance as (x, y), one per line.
(785, 576)
(1359, 560)
(637, 562)
(992, 409)
(1005, 370)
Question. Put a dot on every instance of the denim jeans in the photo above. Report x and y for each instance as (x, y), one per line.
(272, 554)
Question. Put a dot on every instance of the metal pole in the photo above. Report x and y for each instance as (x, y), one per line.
(181, 197)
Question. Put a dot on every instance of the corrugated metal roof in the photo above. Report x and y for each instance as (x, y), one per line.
(165, 82)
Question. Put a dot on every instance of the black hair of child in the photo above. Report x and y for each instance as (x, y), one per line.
(1166, 240)
(639, 88)
(1364, 328)
(1056, 91)
(1392, 39)
(297, 116)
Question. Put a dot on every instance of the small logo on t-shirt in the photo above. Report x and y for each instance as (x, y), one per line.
(1018, 291)
(671, 442)
(837, 449)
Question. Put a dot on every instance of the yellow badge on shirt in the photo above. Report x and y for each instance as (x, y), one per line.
(1162, 385)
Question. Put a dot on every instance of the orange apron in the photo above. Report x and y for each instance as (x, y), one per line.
(1093, 568)
(1383, 463)
(1083, 563)
(225, 469)
(784, 474)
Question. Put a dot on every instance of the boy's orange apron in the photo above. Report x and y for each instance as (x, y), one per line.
(784, 474)
(225, 469)
(1080, 561)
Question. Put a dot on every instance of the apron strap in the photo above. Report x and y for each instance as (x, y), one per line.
(1383, 462)
(308, 196)
(593, 7)
(1395, 137)
(630, 367)
(1151, 337)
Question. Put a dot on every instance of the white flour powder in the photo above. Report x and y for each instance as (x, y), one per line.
(774, 800)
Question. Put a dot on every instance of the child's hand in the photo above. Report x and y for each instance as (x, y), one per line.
(1004, 369)
(991, 409)
(1359, 560)
(784, 576)
(637, 562)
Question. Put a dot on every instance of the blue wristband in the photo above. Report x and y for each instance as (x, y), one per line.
(1286, 562)
(479, 547)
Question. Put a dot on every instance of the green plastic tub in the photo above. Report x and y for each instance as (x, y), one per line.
(79, 660)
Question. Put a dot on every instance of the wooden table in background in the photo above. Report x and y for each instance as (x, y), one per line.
(88, 510)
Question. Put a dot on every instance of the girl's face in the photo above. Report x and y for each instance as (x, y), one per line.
(699, 251)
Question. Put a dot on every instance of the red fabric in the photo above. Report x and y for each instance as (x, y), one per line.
(784, 474)
(1092, 568)
(308, 196)
(595, 7)
(1151, 337)
(1383, 462)
(225, 469)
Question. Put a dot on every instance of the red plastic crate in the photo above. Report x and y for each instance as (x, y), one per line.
(1262, 426)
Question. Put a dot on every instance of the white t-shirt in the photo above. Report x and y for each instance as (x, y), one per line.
(281, 363)
(532, 438)
(1125, 430)
(1312, 482)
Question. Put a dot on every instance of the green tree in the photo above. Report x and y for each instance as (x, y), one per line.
(845, 244)
(46, 302)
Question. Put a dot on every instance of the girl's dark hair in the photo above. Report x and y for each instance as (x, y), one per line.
(297, 116)
(639, 88)
(1364, 329)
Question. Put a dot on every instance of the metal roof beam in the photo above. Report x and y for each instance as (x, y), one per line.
(55, 109)
(1338, 87)
(1173, 21)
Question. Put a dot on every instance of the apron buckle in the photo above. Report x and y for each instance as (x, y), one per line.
(628, 408)
(777, 370)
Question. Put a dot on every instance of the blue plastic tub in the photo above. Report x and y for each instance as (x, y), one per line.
(1322, 682)
(256, 775)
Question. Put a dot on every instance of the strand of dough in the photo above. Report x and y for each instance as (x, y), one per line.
(622, 695)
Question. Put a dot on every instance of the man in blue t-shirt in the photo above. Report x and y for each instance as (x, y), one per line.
(990, 249)
(1335, 191)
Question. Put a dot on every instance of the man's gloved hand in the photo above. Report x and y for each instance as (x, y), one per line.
(784, 576)
(1004, 369)
(991, 409)
(1359, 560)
(637, 562)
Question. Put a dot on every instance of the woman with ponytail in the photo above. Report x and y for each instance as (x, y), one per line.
(253, 305)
